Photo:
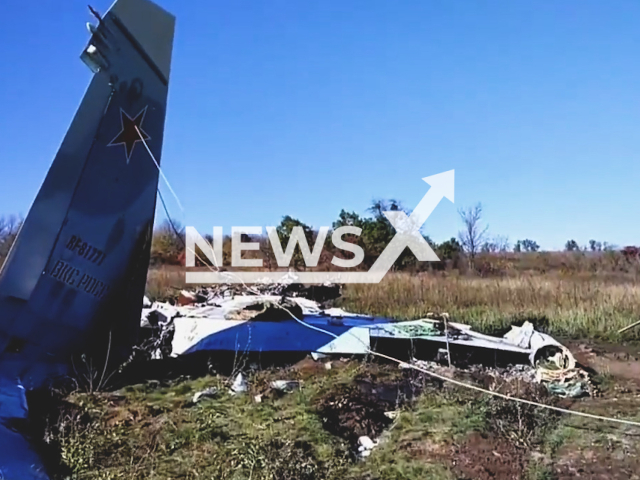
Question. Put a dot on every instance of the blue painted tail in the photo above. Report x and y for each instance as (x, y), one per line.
(74, 280)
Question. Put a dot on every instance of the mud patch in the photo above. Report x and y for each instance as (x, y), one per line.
(360, 408)
(481, 457)
(620, 362)
(615, 464)
(349, 413)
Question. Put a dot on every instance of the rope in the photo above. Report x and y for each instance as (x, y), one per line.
(470, 386)
(622, 330)
(144, 142)
(166, 210)
(173, 226)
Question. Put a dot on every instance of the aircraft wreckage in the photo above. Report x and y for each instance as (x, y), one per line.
(267, 323)
(72, 286)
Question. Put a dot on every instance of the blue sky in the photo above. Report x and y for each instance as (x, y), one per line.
(306, 107)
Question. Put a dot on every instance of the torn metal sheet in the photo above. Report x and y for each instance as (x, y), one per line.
(524, 339)
(540, 345)
(223, 324)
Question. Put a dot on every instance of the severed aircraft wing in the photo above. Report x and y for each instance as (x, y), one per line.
(74, 280)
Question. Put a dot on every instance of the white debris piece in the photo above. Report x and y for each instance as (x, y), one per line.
(355, 341)
(239, 384)
(339, 312)
(540, 344)
(366, 443)
(211, 392)
(285, 386)
(365, 446)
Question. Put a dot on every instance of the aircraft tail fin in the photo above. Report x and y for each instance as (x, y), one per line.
(75, 277)
(78, 265)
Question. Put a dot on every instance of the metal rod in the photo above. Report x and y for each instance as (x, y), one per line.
(446, 336)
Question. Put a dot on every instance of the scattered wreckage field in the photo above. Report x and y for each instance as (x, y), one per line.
(420, 428)
(570, 306)
(208, 412)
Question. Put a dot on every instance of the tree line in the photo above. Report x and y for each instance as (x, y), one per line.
(473, 240)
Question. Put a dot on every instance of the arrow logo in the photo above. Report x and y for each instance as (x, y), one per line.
(407, 236)
(408, 228)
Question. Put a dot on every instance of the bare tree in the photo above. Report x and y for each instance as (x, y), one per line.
(473, 235)
(9, 228)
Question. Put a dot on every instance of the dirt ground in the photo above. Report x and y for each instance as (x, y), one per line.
(591, 449)
(483, 457)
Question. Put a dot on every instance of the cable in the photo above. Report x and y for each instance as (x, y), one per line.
(470, 386)
(144, 142)
(215, 260)
(166, 211)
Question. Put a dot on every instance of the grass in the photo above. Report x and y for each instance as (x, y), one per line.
(164, 282)
(157, 433)
(575, 307)
(146, 431)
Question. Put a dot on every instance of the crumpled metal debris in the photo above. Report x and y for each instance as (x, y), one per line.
(218, 318)
(567, 382)
(523, 340)
(220, 323)
(266, 309)
(543, 347)
(211, 392)
(286, 286)
(190, 324)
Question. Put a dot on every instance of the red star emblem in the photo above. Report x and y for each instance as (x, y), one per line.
(131, 133)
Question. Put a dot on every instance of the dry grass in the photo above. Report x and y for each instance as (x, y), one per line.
(577, 305)
(163, 282)
(571, 306)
